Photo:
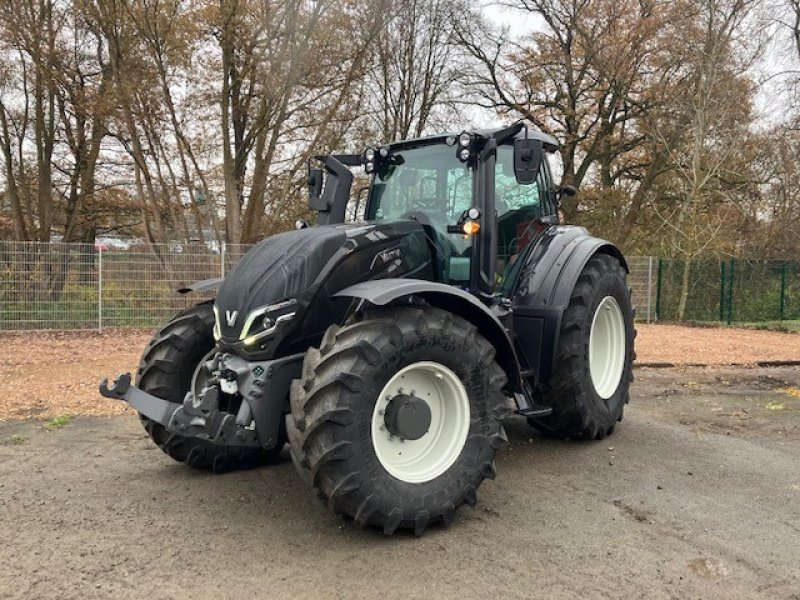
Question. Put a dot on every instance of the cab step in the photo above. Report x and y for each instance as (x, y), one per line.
(535, 410)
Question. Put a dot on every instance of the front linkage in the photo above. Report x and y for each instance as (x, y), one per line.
(262, 386)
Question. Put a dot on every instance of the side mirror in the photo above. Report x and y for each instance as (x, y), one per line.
(567, 190)
(528, 154)
(314, 182)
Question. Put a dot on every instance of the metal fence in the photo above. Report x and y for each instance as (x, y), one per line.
(83, 286)
(732, 290)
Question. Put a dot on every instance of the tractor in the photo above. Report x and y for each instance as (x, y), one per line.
(387, 343)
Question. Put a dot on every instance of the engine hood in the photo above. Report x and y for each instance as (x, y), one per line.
(276, 269)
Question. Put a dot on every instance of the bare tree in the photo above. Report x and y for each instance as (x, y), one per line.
(415, 69)
(585, 79)
(31, 27)
(710, 163)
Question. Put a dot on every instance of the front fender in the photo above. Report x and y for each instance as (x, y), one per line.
(205, 285)
(381, 292)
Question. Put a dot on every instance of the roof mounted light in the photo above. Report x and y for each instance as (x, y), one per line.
(464, 147)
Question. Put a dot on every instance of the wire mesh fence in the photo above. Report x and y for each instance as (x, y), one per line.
(83, 286)
(86, 286)
(730, 290)
(642, 279)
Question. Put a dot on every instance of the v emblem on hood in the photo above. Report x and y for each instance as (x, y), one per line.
(230, 317)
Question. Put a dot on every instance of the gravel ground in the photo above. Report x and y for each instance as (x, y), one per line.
(47, 374)
(696, 495)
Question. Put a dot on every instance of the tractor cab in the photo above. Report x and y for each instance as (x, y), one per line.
(481, 197)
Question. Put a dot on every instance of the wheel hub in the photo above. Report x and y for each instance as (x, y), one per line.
(407, 417)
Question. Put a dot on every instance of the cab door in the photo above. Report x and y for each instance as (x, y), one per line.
(519, 211)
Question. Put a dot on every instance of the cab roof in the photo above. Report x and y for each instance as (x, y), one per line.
(548, 141)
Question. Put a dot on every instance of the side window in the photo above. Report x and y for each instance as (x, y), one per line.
(517, 207)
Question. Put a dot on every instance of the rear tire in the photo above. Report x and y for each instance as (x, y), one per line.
(594, 361)
(166, 370)
(332, 427)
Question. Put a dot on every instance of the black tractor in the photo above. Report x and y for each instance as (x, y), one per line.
(387, 347)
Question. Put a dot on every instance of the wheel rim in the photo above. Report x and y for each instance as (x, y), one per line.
(424, 459)
(607, 347)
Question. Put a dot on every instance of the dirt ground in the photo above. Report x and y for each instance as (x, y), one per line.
(696, 495)
(47, 374)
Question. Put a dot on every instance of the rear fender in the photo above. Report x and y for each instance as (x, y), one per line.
(543, 290)
(381, 292)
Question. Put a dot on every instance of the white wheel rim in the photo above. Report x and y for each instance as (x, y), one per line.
(424, 459)
(607, 347)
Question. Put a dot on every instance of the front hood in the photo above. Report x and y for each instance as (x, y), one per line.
(278, 268)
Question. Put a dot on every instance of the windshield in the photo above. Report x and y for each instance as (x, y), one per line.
(431, 182)
(429, 179)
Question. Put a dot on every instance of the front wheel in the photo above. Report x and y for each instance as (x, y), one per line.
(167, 369)
(594, 360)
(396, 419)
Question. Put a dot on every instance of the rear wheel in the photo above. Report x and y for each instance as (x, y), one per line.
(594, 360)
(396, 418)
(167, 369)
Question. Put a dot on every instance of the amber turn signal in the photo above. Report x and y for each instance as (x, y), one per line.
(471, 227)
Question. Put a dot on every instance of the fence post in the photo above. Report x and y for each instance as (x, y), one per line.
(100, 287)
(649, 285)
(783, 291)
(721, 291)
(222, 261)
(730, 291)
(658, 288)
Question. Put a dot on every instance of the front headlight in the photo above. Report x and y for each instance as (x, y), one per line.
(264, 321)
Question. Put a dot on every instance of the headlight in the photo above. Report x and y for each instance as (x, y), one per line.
(264, 321)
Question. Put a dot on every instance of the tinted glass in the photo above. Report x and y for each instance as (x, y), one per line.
(432, 181)
(517, 208)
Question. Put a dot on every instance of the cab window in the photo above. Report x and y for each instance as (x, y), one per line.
(518, 206)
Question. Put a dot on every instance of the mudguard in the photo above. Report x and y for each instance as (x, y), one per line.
(543, 289)
(384, 291)
(205, 285)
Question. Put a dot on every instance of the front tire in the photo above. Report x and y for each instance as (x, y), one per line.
(166, 369)
(341, 438)
(590, 386)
